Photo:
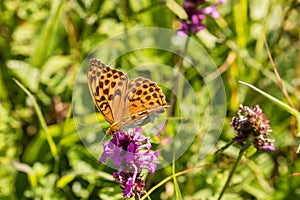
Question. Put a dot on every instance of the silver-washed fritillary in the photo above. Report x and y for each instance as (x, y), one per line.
(123, 103)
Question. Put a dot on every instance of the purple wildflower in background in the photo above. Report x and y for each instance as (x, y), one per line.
(131, 153)
(196, 11)
(252, 124)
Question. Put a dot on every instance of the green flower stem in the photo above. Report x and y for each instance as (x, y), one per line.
(175, 180)
(178, 83)
(224, 148)
(243, 149)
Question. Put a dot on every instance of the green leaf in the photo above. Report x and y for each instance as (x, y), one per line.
(63, 181)
(176, 9)
(42, 50)
(54, 65)
(250, 151)
(23, 70)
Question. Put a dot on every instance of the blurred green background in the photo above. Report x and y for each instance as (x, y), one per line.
(42, 45)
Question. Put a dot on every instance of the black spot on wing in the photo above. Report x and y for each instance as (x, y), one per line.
(105, 91)
(113, 84)
(118, 92)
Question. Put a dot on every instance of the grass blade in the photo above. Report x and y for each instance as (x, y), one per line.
(38, 111)
(274, 100)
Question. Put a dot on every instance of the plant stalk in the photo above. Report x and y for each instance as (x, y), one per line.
(243, 149)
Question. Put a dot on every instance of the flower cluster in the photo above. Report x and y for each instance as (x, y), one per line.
(252, 125)
(196, 11)
(131, 153)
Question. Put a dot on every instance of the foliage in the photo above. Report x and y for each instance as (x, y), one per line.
(42, 45)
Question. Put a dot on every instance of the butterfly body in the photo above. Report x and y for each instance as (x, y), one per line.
(123, 103)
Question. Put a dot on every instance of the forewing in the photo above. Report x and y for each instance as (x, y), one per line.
(106, 86)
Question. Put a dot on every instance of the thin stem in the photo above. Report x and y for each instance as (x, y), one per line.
(170, 177)
(124, 8)
(177, 80)
(224, 147)
(297, 76)
(174, 179)
(52, 145)
(243, 149)
(281, 85)
(149, 8)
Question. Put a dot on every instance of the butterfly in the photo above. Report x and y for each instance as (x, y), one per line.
(124, 104)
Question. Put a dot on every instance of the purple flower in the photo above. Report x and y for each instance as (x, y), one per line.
(197, 10)
(252, 125)
(131, 153)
